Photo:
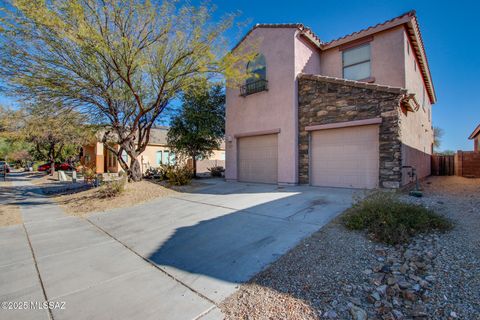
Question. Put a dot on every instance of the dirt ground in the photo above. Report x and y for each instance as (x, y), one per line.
(329, 275)
(86, 202)
(9, 213)
(39, 178)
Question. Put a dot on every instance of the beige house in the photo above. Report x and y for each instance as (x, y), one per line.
(156, 153)
(352, 112)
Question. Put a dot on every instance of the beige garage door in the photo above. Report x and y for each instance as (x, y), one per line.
(345, 157)
(257, 158)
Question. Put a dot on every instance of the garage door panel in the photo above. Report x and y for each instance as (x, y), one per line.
(345, 157)
(258, 159)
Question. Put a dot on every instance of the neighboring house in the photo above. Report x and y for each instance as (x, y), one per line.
(298, 120)
(156, 153)
(475, 136)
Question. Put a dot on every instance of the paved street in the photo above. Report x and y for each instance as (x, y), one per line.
(172, 258)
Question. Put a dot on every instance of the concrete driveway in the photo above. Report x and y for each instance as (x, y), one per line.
(172, 258)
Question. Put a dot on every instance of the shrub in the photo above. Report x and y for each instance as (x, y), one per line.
(112, 189)
(179, 176)
(390, 220)
(151, 173)
(89, 173)
(164, 171)
(216, 171)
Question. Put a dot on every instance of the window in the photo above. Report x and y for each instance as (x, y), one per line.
(158, 158)
(165, 157)
(171, 160)
(356, 63)
(257, 76)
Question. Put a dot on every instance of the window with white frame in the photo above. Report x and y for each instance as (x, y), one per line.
(356, 63)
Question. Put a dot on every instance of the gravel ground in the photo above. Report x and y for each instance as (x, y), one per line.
(9, 212)
(341, 274)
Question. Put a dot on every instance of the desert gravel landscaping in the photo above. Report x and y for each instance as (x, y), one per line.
(341, 274)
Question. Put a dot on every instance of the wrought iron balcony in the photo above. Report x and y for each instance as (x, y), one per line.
(254, 87)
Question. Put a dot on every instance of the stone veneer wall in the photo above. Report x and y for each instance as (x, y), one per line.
(324, 100)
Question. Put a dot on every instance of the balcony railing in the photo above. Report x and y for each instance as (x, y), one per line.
(254, 87)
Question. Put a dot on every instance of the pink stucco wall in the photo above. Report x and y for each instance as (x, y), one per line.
(416, 127)
(286, 54)
(393, 63)
(386, 59)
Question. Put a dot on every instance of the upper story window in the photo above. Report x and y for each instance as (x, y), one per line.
(356, 63)
(257, 76)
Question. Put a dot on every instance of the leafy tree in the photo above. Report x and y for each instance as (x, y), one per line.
(56, 134)
(199, 127)
(13, 146)
(437, 137)
(121, 61)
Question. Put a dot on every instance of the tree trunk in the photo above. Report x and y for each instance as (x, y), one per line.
(135, 171)
(52, 167)
(194, 165)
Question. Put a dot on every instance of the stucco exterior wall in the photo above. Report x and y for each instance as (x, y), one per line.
(267, 110)
(416, 130)
(149, 157)
(386, 59)
(97, 155)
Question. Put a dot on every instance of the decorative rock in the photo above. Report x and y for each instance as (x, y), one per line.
(358, 313)
(330, 314)
(398, 314)
(382, 289)
(409, 295)
(419, 311)
(453, 314)
(404, 284)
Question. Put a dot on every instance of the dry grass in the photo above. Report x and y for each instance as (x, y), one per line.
(9, 212)
(89, 201)
(38, 178)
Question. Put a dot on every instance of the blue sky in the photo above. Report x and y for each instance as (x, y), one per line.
(450, 30)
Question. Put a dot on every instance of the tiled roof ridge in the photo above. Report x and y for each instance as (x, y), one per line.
(410, 13)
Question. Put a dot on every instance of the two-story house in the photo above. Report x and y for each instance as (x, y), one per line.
(352, 112)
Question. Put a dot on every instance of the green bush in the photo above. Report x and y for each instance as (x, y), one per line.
(179, 175)
(216, 171)
(112, 189)
(390, 220)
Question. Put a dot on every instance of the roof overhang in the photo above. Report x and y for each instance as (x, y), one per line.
(408, 20)
(475, 133)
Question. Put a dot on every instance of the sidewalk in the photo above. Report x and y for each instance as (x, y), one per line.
(69, 260)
